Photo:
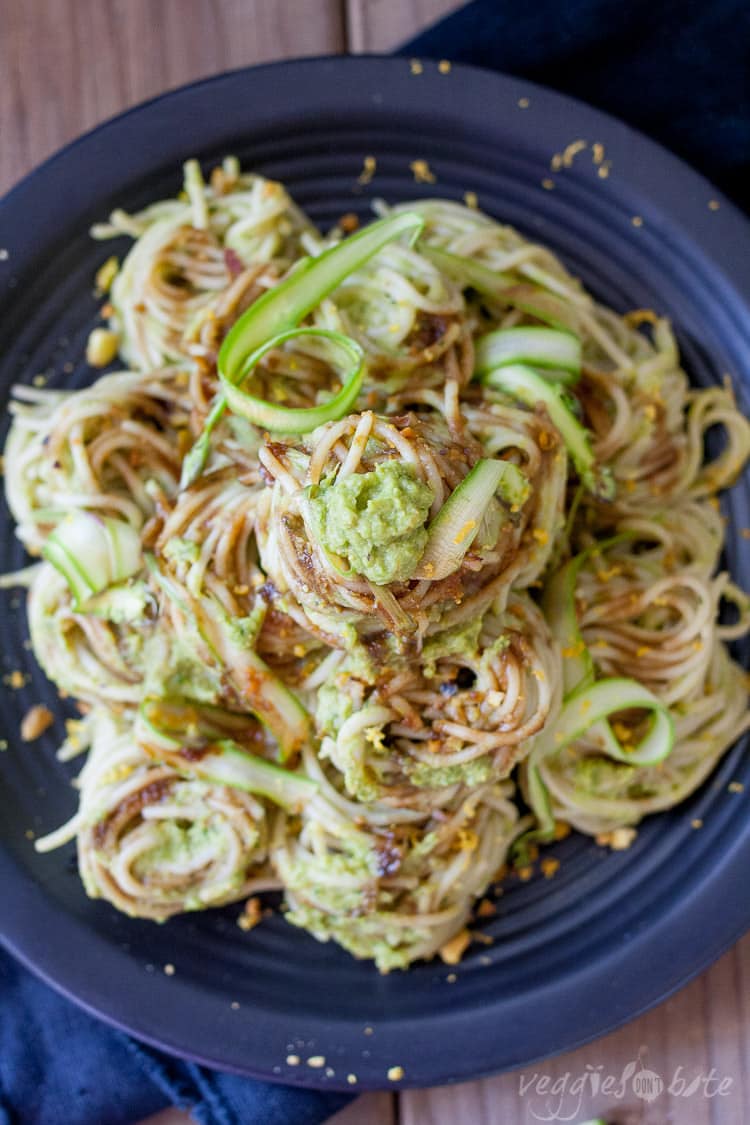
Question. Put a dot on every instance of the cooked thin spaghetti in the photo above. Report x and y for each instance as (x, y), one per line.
(370, 530)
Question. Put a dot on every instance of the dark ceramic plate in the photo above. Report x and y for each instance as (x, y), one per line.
(611, 934)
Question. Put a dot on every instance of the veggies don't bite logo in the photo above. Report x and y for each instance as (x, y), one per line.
(564, 1097)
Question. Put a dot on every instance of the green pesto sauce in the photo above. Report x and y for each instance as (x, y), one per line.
(460, 640)
(375, 520)
(333, 708)
(603, 776)
(178, 847)
(472, 773)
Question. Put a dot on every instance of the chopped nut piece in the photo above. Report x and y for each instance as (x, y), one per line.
(486, 909)
(618, 839)
(422, 172)
(251, 915)
(35, 722)
(368, 170)
(106, 274)
(453, 950)
(549, 866)
(102, 346)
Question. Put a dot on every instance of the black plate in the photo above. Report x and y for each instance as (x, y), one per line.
(611, 934)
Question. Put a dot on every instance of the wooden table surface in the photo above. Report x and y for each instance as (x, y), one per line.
(67, 64)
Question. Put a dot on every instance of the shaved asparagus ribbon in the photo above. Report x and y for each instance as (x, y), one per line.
(93, 552)
(168, 731)
(459, 521)
(587, 704)
(558, 352)
(284, 306)
(534, 299)
(260, 689)
(290, 420)
(524, 383)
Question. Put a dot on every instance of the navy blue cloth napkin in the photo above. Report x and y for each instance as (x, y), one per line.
(680, 71)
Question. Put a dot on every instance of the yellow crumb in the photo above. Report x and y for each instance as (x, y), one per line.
(486, 909)
(299, 650)
(117, 773)
(452, 951)
(713, 205)
(316, 1061)
(395, 1073)
(643, 650)
(572, 651)
(471, 200)
(637, 221)
(603, 169)
(548, 184)
(444, 66)
(525, 873)
(292, 1060)
(368, 170)
(696, 823)
(541, 535)
(169, 970)
(422, 172)
(524, 103)
(101, 347)
(538, 674)
(251, 915)
(35, 722)
(468, 841)
(619, 839)
(549, 866)
(15, 679)
(562, 829)
(736, 787)
(375, 736)
(465, 530)
(597, 152)
(415, 66)
(571, 151)
(351, 1079)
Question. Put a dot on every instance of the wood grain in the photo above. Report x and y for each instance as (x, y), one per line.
(704, 1025)
(68, 64)
(370, 1109)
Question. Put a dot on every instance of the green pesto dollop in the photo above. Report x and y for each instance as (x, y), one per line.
(375, 520)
